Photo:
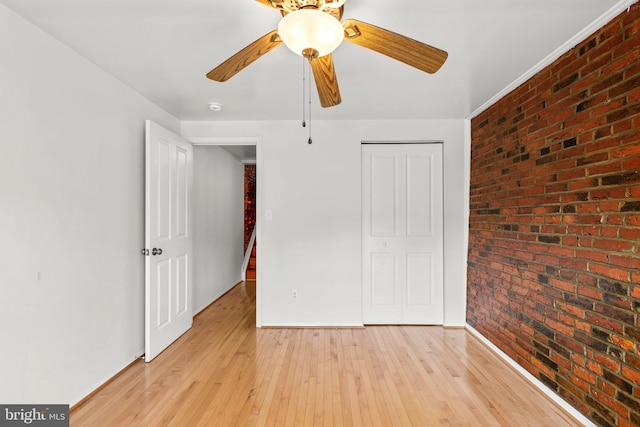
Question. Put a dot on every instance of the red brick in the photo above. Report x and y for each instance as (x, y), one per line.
(631, 262)
(582, 326)
(607, 387)
(631, 163)
(625, 152)
(608, 362)
(563, 285)
(589, 292)
(612, 403)
(631, 375)
(579, 359)
(612, 219)
(605, 323)
(629, 233)
(584, 375)
(559, 327)
(609, 193)
(607, 271)
(633, 220)
(603, 169)
(609, 206)
(594, 367)
(622, 62)
(624, 343)
(592, 255)
(612, 245)
(602, 144)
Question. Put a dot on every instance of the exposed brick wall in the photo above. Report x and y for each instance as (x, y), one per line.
(554, 251)
(249, 202)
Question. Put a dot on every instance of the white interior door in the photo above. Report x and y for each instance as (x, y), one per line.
(402, 236)
(168, 190)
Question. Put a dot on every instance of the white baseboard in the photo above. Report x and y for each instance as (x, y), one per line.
(533, 380)
(311, 326)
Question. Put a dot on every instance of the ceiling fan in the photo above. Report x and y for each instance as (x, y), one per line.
(312, 28)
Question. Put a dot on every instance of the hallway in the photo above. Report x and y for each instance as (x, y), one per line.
(225, 372)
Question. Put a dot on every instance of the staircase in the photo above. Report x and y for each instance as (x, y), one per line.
(248, 270)
(251, 267)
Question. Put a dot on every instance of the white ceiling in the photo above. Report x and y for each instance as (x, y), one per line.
(164, 48)
(244, 153)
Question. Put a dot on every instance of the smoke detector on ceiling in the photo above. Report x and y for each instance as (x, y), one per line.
(215, 106)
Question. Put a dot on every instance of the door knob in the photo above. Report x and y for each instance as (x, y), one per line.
(156, 251)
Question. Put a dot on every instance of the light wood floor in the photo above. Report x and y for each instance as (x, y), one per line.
(225, 372)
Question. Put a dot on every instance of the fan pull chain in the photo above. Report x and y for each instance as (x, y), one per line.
(309, 83)
(304, 113)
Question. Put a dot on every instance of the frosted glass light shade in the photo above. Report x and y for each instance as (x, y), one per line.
(311, 29)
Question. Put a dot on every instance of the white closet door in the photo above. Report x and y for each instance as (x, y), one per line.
(402, 247)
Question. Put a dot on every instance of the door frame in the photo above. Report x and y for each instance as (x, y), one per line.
(257, 141)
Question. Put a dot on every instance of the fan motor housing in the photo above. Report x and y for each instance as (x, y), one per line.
(288, 6)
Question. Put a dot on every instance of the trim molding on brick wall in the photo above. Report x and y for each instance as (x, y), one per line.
(531, 379)
(564, 48)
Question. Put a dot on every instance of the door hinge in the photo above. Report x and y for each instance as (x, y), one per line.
(145, 252)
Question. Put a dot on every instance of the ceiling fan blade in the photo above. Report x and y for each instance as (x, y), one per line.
(246, 56)
(404, 49)
(326, 81)
(265, 2)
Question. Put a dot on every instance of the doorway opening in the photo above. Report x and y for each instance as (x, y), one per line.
(248, 152)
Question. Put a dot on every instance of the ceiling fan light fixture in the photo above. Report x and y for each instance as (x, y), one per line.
(311, 29)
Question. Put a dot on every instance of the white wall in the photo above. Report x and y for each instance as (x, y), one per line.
(71, 209)
(313, 243)
(218, 242)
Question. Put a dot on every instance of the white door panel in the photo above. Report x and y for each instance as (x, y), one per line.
(419, 202)
(162, 299)
(168, 186)
(418, 274)
(383, 196)
(383, 280)
(402, 234)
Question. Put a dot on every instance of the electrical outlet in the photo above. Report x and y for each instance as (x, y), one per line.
(294, 295)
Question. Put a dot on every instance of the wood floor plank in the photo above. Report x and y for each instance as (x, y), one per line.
(225, 372)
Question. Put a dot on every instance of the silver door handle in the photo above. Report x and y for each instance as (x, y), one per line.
(156, 251)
